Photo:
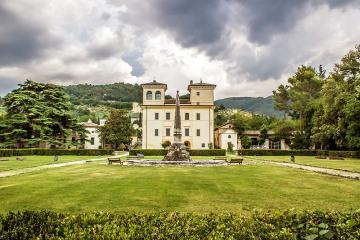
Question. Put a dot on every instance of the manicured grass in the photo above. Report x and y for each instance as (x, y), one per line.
(349, 164)
(99, 187)
(33, 161)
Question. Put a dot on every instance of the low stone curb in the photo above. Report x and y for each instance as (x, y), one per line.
(327, 171)
(55, 165)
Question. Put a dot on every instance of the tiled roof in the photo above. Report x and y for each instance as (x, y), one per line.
(154, 82)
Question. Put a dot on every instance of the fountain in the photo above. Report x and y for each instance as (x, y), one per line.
(177, 150)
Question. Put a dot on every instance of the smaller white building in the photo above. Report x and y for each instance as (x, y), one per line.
(224, 135)
(93, 136)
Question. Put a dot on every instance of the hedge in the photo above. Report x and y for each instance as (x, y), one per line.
(193, 152)
(50, 152)
(255, 225)
(276, 152)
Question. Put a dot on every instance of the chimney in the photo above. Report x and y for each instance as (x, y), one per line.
(191, 82)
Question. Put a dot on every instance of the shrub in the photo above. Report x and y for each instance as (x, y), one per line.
(193, 152)
(50, 152)
(256, 225)
(277, 152)
(230, 147)
(166, 144)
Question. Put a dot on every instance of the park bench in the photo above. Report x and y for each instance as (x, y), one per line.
(112, 160)
(224, 158)
(20, 158)
(336, 158)
(4, 159)
(236, 160)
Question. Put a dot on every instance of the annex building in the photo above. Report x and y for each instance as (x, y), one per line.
(197, 116)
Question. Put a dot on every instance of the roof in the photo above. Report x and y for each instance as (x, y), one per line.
(200, 84)
(154, 82)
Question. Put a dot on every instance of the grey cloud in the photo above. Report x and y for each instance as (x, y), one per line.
(193, 23)
(8, 84)
(21, 40)
(132, 58)
(102, 51)
(266, 19)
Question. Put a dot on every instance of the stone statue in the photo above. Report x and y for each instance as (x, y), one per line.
(177, 150)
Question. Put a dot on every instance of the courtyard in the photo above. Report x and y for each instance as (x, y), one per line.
(96, 186)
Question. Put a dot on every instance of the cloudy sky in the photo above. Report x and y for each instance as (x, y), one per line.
(246, 47)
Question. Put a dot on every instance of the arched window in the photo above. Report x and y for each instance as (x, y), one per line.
(149, 95)
(157, 95)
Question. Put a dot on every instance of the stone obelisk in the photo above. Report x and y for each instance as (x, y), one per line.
(177, 125)
(177, 150)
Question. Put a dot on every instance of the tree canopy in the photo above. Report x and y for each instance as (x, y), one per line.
(37, 112)
(117, 129)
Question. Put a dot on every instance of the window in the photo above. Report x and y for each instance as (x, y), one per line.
(156, 132)
(197, 93)
(167, 116)
(156, 116)
(167, 131)
(187, 132)
(92, 141)
(203, 145)
(148, 95)
(198, 116)
(157, 95)
(187, 116)
(198, 132)
(229, 136)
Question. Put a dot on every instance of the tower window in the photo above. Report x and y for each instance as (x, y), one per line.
(149, 95)
(229, 136)
(92, 141)
(156, 116)
(157, 95)
(167, 116)
(167, 131)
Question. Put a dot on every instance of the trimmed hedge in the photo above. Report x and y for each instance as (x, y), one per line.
(256, 225)
(193, 152)
(50, 152)
(276, 152)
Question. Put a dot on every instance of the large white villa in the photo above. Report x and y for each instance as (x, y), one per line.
(197, 115)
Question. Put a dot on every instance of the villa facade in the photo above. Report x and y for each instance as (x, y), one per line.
(197, 116)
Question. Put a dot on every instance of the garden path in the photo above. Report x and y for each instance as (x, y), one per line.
(55, 165)
(329, 171)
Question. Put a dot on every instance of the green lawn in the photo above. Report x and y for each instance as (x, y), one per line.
(33, 161)
(350, 164)
(100, 187)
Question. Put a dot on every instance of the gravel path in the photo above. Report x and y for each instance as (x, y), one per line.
(55, 165)
(334, 172)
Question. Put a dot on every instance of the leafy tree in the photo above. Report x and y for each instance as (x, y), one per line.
(239, 121)
(299, 97)
(245, 142)
(336, 121)
(221, 117)
(35, 113)
(117, 129)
